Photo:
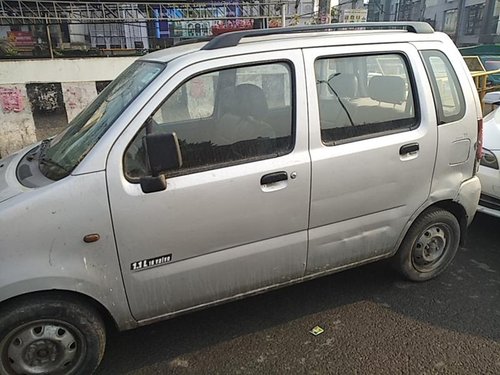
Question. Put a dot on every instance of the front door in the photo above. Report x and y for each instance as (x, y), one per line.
(234, 217)
(373, 147)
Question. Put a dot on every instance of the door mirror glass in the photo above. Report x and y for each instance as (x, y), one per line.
(163, 154)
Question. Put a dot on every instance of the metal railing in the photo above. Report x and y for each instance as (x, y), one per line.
(42, 11)
(44, 28)
(481, 81)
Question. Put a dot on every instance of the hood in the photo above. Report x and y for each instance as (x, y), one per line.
(9, 186)
(491, 130)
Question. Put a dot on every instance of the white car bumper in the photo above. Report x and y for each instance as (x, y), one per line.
(489, 202)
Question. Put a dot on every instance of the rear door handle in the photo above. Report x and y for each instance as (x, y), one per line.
(409, 148)
(271, 178)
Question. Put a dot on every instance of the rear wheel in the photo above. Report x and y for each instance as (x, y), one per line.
(429, 246)
(50, 335)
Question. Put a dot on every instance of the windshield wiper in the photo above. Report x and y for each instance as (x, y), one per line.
(39, 152)
(42, 159)
(48, 161)
(43, 148)
(338, 97)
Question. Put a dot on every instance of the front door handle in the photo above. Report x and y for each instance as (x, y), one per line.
(271, 178)
(409, 148)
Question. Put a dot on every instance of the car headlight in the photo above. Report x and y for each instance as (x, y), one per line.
(489, 159)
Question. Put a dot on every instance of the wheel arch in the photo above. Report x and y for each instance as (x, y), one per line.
(459, 212)
(45, 321)
(109, 320)
(110, 302)
(420, 223)
(455, 208)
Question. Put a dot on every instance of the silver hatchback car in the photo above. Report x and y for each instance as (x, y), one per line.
(215, 170)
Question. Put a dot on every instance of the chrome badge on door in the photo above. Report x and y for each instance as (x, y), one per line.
(151, 262)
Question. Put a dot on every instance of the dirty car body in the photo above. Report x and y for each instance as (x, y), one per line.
(211, 171)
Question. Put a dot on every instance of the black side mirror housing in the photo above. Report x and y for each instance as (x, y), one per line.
(164, 154)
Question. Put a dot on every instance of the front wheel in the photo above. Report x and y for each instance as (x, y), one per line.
(48, 334)
(429, 246)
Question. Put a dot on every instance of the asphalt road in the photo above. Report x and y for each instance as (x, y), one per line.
(374, 323)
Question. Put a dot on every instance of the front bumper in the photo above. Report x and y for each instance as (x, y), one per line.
(489, 205)
(489, 202)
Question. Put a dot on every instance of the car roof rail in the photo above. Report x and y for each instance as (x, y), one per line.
(233, 38)
(193, 41)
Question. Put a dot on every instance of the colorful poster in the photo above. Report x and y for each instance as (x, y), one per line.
(21, 38)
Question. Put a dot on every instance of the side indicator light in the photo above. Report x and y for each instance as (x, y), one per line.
(91, 238)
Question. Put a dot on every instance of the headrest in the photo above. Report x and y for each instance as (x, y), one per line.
(388, 89)
(344, 84)
(251, 101)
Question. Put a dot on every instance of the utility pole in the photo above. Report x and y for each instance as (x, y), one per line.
(485, 35)
(49, 38)
(458, 28)
(324, 11)
(421, 15)
(283, 15)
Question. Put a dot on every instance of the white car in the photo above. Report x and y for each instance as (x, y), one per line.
(489, 172)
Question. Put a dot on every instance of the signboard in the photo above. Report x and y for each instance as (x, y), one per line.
(231, 25)
(21, 38)
(354, 15)
(190, 29)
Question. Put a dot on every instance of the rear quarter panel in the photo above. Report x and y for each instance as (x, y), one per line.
(456, 140)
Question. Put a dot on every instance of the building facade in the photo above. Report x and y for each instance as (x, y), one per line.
(396, 10)
(467, 22)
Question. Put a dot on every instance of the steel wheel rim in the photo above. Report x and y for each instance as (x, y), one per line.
(431, 247)
(43, 347)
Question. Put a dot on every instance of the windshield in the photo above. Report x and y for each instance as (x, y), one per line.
(62, 154)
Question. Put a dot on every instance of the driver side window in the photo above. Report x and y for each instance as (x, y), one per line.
(223, 118)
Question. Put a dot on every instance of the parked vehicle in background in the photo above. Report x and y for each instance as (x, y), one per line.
(216, 170)
(489, 172)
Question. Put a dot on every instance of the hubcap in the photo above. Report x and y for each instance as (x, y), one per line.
(429, 249)
(43, 347)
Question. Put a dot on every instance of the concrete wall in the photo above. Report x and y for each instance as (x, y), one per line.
(39, 97)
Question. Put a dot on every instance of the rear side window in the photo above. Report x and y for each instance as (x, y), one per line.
(448, 95)
(364, 96)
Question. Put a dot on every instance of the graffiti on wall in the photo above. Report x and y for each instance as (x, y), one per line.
(11, 100)
(47, 106)
(17, 129)
(77, 96)
(73, 97)
(45, 97)
(101, 85)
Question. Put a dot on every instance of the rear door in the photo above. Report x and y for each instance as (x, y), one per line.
(373, 147)
(234, 218)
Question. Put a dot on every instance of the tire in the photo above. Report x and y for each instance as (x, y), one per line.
(429, 246)
(50, 334)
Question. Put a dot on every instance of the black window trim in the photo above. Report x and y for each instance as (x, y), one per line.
(414, 91)
(184, 172)
(438, 104)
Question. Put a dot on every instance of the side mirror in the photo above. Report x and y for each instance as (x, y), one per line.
(164, 154)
